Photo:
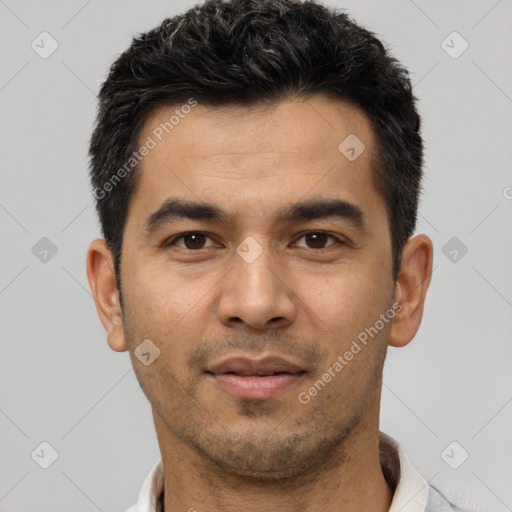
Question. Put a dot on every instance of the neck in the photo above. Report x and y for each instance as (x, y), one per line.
(351, 480)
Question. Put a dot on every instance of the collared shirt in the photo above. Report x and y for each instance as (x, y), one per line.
(412, 492)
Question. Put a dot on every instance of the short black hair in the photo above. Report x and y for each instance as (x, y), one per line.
(253, 52)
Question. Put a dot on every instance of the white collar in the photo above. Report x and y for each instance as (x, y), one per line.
(411, 489)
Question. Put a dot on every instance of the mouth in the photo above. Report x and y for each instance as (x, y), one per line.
(255, 379)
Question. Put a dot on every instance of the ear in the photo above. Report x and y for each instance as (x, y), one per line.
(411, 288)
(102, 280)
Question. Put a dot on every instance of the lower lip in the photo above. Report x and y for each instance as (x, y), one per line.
(256, 387)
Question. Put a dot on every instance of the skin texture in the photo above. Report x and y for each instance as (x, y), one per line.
(302, 299)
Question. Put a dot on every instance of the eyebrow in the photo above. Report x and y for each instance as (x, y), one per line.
(312, 209)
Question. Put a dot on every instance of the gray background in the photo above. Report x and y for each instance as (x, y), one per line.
(59, 381)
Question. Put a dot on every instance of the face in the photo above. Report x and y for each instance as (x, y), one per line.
(253, 298)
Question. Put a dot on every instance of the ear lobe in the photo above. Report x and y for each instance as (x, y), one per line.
(102, 281)
(411, 289)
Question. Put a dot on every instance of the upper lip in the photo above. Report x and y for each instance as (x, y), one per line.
(245, 366)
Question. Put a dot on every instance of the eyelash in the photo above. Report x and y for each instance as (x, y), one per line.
(174, 239)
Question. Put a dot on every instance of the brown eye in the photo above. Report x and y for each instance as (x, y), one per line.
(317, 239)
(191, 241)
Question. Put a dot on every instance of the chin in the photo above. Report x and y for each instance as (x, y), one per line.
(267, 454)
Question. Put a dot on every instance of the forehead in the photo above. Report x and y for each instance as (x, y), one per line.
(306, 127)
(257, 155)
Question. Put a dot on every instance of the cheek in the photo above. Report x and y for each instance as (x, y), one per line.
(347, 301)
(167, 308)
(158, 296)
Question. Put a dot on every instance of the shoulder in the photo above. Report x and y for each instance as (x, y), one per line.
(437, 502)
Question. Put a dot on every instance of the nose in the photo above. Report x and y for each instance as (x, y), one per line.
(256, 293)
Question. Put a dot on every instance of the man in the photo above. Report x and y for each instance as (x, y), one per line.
(257, 166)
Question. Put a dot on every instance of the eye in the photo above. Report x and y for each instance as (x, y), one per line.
(318, 239)
(193, 240)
